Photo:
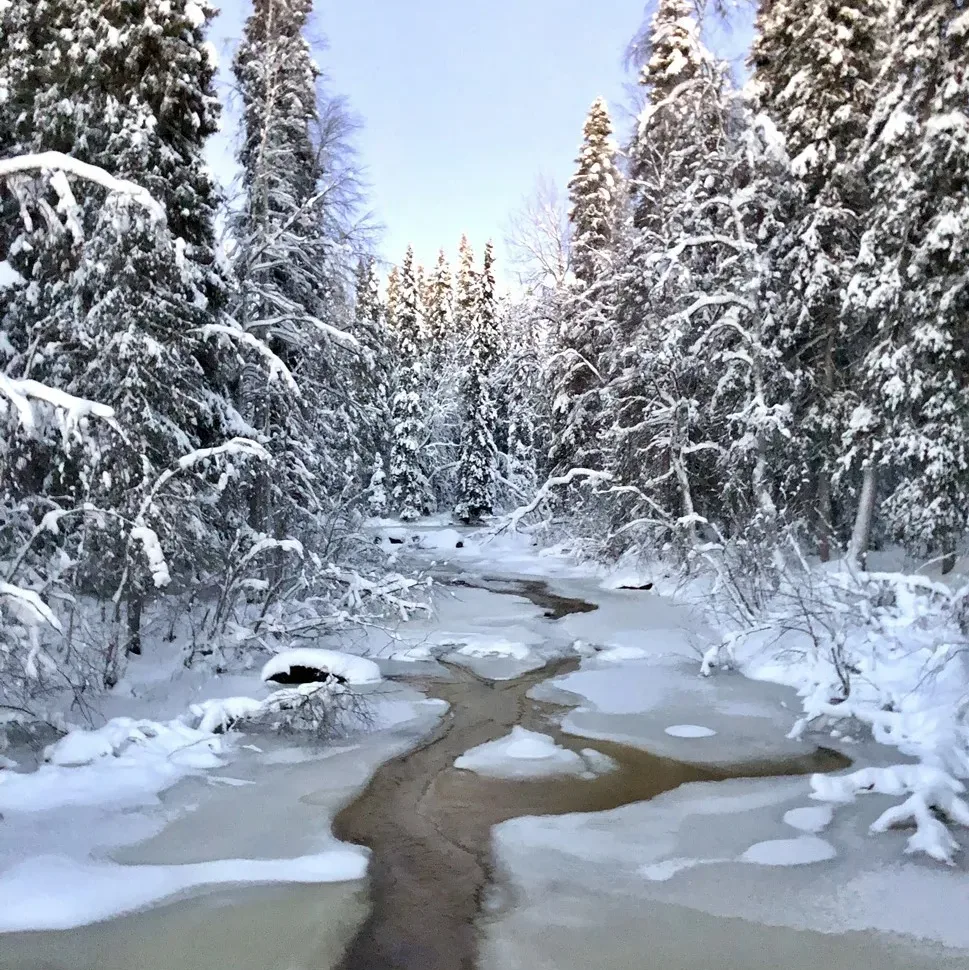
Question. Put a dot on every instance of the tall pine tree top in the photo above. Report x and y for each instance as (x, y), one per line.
(815, 64)
(439, 304)
(465, 297)
(676, 51)
(594, 192)
(278, 78)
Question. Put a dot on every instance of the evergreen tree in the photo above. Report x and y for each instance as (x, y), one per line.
(595, 193)
(118, 305)
(286, 286)
(392, 302)
(373, 384)
(408, 479)
(442, 397)
(912, 420)
(466, 296)
(439, 307)
(815, 66)
(658, 384)
(478, 466)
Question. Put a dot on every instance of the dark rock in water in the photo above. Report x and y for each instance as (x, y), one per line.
(642, 589)
(459, 544)
(305, 675)
(395, 541)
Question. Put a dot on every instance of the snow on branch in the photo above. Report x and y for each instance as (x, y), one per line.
(552, 483)
(334, 333)
(58, 162)
(29, 607)
(934, 797)
(71, 410)
(277, 369)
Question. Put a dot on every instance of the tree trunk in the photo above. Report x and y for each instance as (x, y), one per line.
(135, 606)
(861, 534)
(823, 511)
(824, 506)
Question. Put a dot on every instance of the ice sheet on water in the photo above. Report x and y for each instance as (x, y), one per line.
(528, 754)
(59, 893)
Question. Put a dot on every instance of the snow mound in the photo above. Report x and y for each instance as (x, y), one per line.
(802, 851)
(496, 648)
(689, 731)
(810, 819)
(190, 747)
(527, 754)
(354, 670)
(216, 716)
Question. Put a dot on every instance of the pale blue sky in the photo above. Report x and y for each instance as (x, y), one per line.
(465, 103)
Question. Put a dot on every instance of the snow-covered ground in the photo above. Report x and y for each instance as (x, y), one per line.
(134, 813)
(810, 881)
(743, 873)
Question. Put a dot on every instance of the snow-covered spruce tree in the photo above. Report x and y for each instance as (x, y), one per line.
(392, 301)
(912, 284)
(132, 295)
(466, 293)
(662, 440)
(595, 194)
(439, 307)
(282, 263)
(478, 464)
(408, 479)
(814, 68)
(520, 381)
(442, 397)
(373, 381)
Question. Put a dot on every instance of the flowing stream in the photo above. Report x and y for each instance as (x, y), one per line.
(427, 824)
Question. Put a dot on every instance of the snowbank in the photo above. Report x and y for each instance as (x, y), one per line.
(60, 893)
(124, 762)
(886, 658)
(527, 754)
(354, 670)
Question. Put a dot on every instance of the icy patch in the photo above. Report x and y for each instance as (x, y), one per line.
(790, 852)
(354, 670)
(668, 868)
(810, 819)
(59, 893)
(689, 731)
(621, 654)
(496, 648)
(527, 754)
(412, 655)
(599, 763)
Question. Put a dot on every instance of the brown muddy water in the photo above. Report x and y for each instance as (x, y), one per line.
(428, 824)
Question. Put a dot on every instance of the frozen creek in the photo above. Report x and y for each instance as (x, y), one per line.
(543, 892)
